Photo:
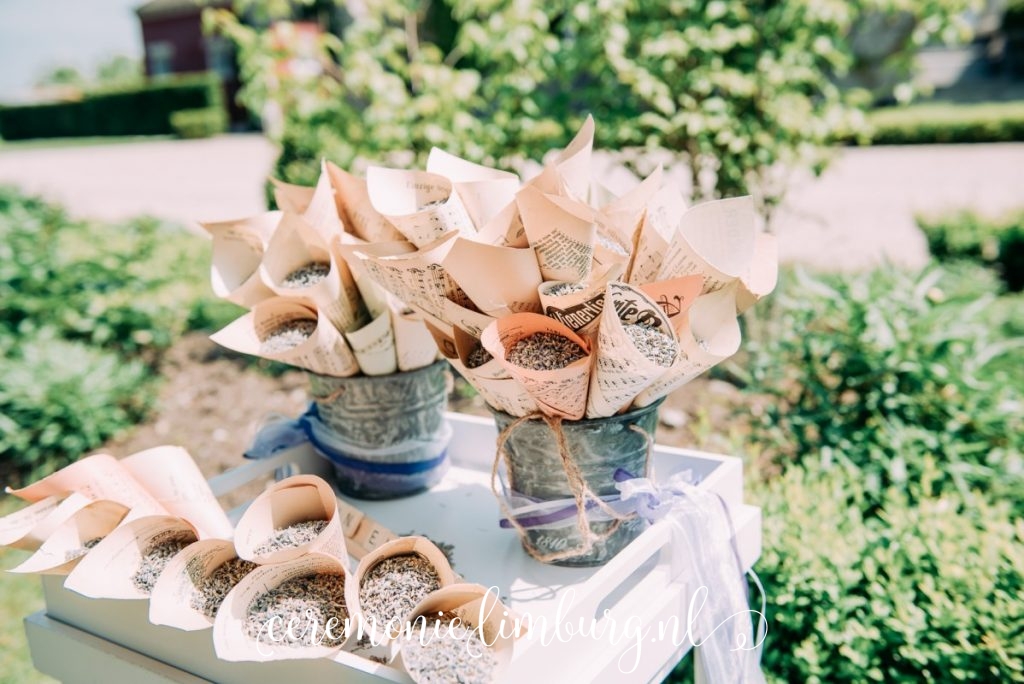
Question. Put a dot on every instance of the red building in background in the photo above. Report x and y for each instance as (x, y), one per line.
(172, 35)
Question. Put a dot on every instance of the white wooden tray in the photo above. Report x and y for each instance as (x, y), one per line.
(76, 639)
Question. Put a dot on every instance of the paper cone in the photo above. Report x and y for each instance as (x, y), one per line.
(499, 280)
(621, 371)
(28, 528)
(374, 346)
(473, 322)
(317, 205)
(171, 601)
(763, 275)
(477, 608)
(657, 227)
(107, 571)
(398, 547)
(421, 205)
(414, 345)
(325, 352)
(484, 191)
(503, 394)
(64, 546)
(562, 233)
(561, 392)
(357, 209)
(230, 639)
(675, 297)
(712, 335)
(621, 217)
(504, 229)
(238, 248)
(296, 244)
(293, 500)
(580, 311)
(573, 164)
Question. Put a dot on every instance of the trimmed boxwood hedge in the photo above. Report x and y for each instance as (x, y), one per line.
(948, 123)
(144, 110)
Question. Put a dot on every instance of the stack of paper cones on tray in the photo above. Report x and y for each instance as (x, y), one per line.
(281, 585)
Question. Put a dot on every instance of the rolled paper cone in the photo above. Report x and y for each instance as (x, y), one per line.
(231, 640)
(561, 232)
(504, 394)
(712, 335)
(675, 297)
(484, 191)
(97, 477)
(573, 164)
(659, 224)
(621, 217)
(579, 310)
(414, 345)
(375, 298)
(477, 608)
(295, 245)
(420, 546)
(238, 248)
(499, 280)
(109, 570)
(763, 275)
(65, 546)
(170, 603)
(423, 206)
(621, 370)
(472, 322)
(714, 239)
(374, 346)
(505, 229)
(291, 197)
(357, 210)
(561, 392)
(28, 527)
(317, 205)
(324, 352)
(297, 499)
(608, 251)
(171, 475)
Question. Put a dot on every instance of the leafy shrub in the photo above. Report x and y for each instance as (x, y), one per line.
(922, 592)
(199, 123)
(59, 399)
(133, 110)
(875, 369)
(947, 123)
(967, 235)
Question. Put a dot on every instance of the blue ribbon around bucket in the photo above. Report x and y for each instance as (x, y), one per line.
(286, 433)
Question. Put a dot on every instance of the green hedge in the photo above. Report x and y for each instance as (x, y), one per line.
(199, 123)
(136, 111)
(926, 590)
(948, 123)
(966, 235)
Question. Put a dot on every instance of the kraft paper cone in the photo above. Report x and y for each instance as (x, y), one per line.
(357, 210)
(296, 244)
(503, 394)
(505, 229)
(293, 500)
(561, 231)
(675, 297)
(499, 280)
(473, 322)
(317, 205)
(96, 477)
(712, 335)
(484, 191)
(107, 571)
(763, 275)
(714, 239)
(374, 346)
(580, 311)
(238, 248)
(325, 352)
(414, 345)
(561, 392)
(64, 547)
(621, 371)
(477, 608)
(398, 547)
(171, 475)
(657, 227)
(170, 603)
(421, 205)
(28, 528)
(230, 639)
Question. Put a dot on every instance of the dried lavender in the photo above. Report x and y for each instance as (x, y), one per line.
(307, 276)
(443, 651)
(291, 536)
(304, 606)
(211, 590)
(560, 289)
(478, 357)
(287, 336)
(72, 554)
(393, 587)
(654, 344)
(545, 351)
(611, 245)
(155, 559)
